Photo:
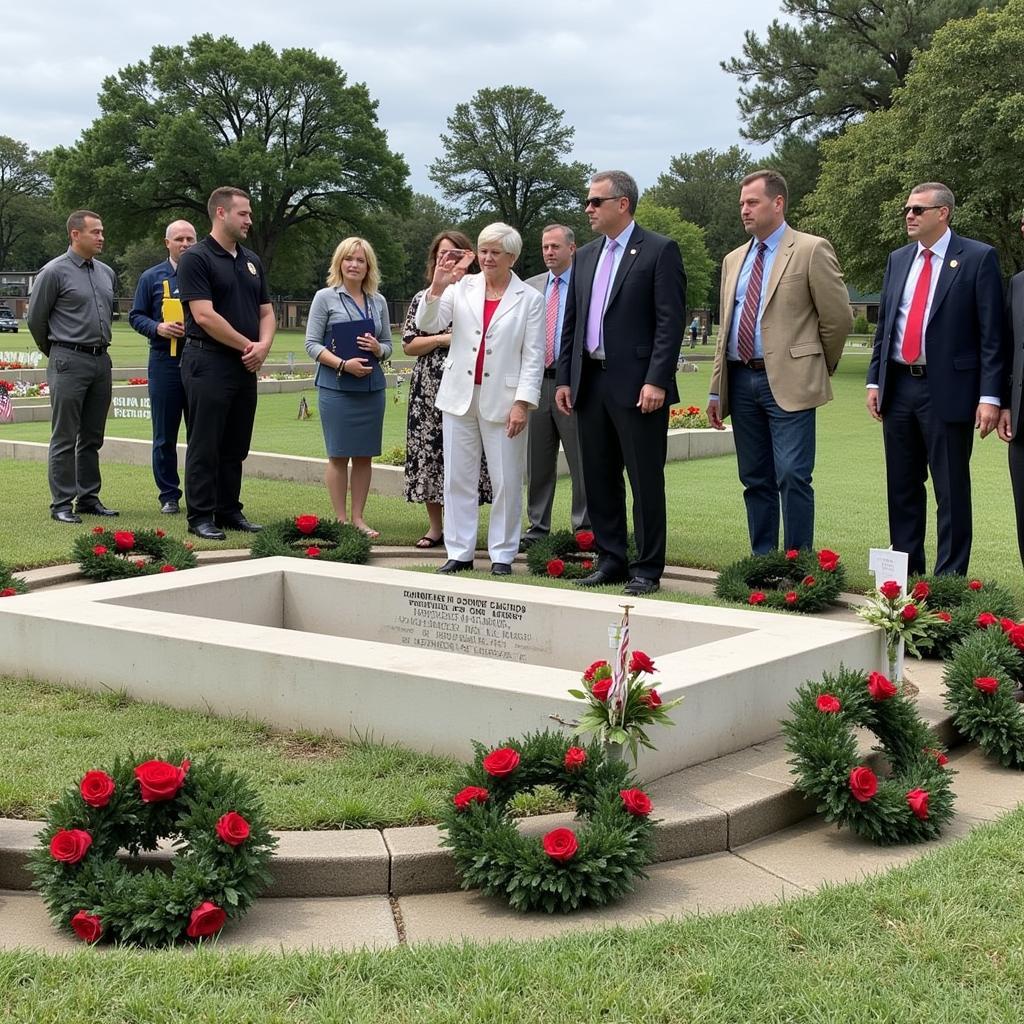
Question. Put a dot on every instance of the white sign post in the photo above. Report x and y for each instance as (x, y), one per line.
(887, 564)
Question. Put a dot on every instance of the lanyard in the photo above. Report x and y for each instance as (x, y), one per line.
(361, 314)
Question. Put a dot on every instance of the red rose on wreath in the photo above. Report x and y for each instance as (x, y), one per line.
(792, 554)
(97, 529)
(917, 799)
(909, 612)
(828, 561)
(159, 780)
(975, 585)
(70, 845)
(601, 687)
(890, 589)
(124, 540)
(828, 704)
(640, 662)
(206, 919)
(863, 783)
(986, 619)
(556, 567)
(99, 549)
(575, 757)
(560, 844)
(233, 828)
(879, 687)
(312, 551)
(945, 616)
(756, 598)
(987, 684)
(808, 581)
(160, 533)
(588, 676)
(637, 802)
(1016, 636)
(585, 540)
(8, 592)
(501, 762)
(469, 795)
(791, 597)
(939, 756)
(167, 567)
(96, 788)
(87, 927)
(306, 524)
(921, 591)
(1007, 624)
(587, 563)
(652, 699)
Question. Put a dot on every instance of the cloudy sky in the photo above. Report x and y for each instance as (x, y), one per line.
(639, 79)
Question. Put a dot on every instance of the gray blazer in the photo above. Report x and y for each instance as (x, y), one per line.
(329, 308)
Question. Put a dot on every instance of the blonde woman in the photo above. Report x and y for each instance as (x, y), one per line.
(350, 391)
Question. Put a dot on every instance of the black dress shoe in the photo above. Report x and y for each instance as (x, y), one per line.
(238, 522)
(95, 508)
(638, 586)
(207, 531)
(454, 565)
(501, 569)
(527, 542)
(599, 578)
(65, 515)
(170, 508)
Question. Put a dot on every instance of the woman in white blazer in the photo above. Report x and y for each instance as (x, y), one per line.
(491, 381)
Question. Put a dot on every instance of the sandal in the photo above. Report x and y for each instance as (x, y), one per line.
(368, 531)
(426, 541)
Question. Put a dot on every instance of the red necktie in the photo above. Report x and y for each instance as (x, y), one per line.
(549, 347)
(751, 304)
(914, 329)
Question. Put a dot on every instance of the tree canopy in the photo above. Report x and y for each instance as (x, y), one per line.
(698, 264)
(24, 186)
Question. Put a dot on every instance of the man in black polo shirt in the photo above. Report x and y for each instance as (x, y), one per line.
(229, 328)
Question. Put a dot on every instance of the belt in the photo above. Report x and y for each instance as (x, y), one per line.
(89, 350)
(750, 364)
(207, 343)
(912, 370)
(550, 371)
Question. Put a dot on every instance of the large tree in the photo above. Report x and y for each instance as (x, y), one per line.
(959, 120)
(696, 261)
(23, 189)
(832, 61)
(284, 126)
(504, 151)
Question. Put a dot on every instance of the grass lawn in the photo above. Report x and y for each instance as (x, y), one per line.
(936, 942)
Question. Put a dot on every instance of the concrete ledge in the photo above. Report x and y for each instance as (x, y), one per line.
(346, 863)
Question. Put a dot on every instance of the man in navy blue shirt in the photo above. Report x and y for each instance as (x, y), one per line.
(157, 314)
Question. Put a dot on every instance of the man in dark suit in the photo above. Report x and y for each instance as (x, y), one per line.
(1009, 415)
(936, 374)
(621, 335)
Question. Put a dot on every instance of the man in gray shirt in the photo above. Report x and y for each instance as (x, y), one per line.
(69, 316)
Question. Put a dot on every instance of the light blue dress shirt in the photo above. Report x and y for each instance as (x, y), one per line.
(561, 282)
(772, 242)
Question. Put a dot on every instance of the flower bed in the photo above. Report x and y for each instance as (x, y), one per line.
(689, 417)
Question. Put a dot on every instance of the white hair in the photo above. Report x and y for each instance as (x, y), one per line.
(510, 239)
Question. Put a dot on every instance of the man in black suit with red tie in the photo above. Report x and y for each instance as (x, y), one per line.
(937, 374)
(621, 333)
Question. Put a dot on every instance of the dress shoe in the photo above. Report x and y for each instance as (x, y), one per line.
(65, 515)
(599, 578)
(638, 586)
(95, 508)
(170, 508)
(527, 542)
(501, 569)
(238, 522)
(207, 531)
(454, 565)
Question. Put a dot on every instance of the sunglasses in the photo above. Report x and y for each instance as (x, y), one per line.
(918, 210)
(596, 201)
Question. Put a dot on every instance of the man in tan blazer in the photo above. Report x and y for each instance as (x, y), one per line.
(785, 315)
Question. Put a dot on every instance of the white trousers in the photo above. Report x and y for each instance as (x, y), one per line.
(465, 437)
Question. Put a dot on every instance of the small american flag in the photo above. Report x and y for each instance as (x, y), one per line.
(6, 409)
(617, 692)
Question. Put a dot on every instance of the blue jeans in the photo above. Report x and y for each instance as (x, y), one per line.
(167, 407)
(775, 457)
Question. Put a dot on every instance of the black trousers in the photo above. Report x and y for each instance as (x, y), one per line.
(221, 405)
(614, 437)
(1016, 457)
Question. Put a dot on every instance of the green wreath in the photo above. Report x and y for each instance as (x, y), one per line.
(222, 851)
(10, 585)
(792, 581)
(959, 600)
(120, 554)
(593, 864)
(310, 537)
(565, 555)
(910, 805)
(983, 680)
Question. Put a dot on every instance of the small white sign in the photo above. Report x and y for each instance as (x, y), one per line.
(887, 564)
(613, 636)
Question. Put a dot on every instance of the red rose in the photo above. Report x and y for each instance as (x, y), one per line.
(501, 762)
(160, 533)
(167, 567)
(917, 799)
(975, 585)
(124, 540)
(756, 598)
(986, 619)
(890, 589)
(585, 540)
(1007, 624)
(601, 687)
(987, 684)
(828, 704)
(863, 783)
(97, 529)
(471, 794)
(792, 554)
(637, 802)
(640, 662)
(96, 788)
(921, 591)
(560, 844)
(189, 545)
(233, 828)
(791, 597)
(87, 927)
(1016, 637)
(159, 780)
(587, 563)
(69, 845)
(206, 919)
(651, 699)
(556, 567)
(588, 675)
(828, 561)
(575, 757)
(8, 592)
(944, 616)
(908, 612)
(808, 581)
(99, 549)
(939, 756)
(312, 552)
(306, 524)
(879, 687)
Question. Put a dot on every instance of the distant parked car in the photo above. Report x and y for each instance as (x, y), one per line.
(8, 321)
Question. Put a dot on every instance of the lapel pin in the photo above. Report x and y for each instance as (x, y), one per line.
(954, 264)
(632, 252)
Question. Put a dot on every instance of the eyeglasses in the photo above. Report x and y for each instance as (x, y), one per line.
(596, 201)
(918, 210)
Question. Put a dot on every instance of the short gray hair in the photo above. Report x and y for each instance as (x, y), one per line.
(570, 235)
(623, 183)
(510, 239)
(943, 193)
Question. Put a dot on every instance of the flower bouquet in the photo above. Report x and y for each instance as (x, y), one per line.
(905, 618)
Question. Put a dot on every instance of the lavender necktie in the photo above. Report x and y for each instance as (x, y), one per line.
(598, 297)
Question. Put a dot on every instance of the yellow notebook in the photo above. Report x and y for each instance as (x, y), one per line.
(172, 312)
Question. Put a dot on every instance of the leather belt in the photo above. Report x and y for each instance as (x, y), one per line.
(207, 343)
(89, 350)
(750, 364)
(911, 369)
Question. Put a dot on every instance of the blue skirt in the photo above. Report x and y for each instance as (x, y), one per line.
(353, 422)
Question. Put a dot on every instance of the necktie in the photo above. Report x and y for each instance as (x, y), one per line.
(914, 329)
(549, 347)
(598, 297)
(751, 304)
